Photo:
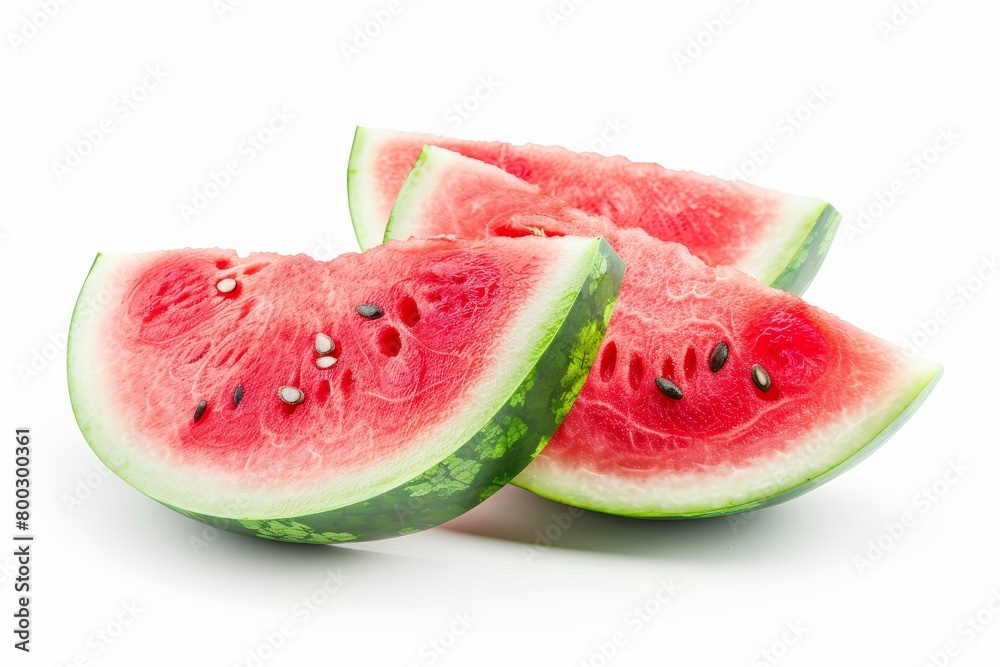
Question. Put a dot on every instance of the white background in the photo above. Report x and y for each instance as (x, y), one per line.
(740, 583)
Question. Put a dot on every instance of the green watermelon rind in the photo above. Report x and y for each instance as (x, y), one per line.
(491, 458)
(800, 270)
(866, 442)
(796, 253)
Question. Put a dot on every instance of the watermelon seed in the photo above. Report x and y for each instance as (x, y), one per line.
(369, 311)
(291, 395)
(719, 356)
(237, 396)
(226, 285)
(669, 389)
(200, 410)
(760, 377)
(326, 362)
(324, 344)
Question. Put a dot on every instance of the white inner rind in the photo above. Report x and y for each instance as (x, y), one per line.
(787, 466)
(362, 198)
(153, 470)
(770, 256)
(430, 168)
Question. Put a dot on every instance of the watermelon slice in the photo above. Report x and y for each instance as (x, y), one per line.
(370, 396)
(779, 239)
(712, 393)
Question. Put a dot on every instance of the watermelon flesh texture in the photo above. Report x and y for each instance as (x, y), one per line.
(477, 356)
(725, 446)
(779, 239)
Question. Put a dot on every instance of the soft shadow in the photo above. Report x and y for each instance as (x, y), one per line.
(181, 557)
(164, 540)
(516, 515)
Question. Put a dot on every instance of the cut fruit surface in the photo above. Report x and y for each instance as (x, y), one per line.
(779, 239)
(712, 393)
(364, 397)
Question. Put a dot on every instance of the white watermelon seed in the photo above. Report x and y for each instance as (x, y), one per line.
(324, 344)
(326, 362)
(291, 395)
(226, 285)
(760, 377)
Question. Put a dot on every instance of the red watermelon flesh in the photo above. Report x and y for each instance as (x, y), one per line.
(237, 339)
(364, 397)
(725, 444)
(780, 239)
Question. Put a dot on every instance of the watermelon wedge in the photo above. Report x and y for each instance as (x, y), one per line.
(712, 392)
(779, 239)
(370, 396)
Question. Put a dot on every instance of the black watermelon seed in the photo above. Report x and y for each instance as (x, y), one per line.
(200, 410)
(370, 311)
(719, 356)
(237, 396)
(760, 377)
(668, 388)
